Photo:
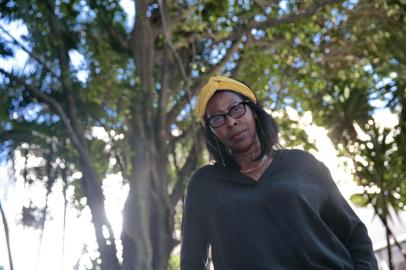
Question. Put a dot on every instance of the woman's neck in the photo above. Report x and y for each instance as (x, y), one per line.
(247, 159)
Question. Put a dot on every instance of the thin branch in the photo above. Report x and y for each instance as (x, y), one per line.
(168, 38)
(175, 162)
(236, 37)
(294, 17)
(53, 104)
(36, 58)
(174, 140)
(214, 70)
(272, 22)
(165, 21)
(122, 164)
(118, 37)
(263, 4)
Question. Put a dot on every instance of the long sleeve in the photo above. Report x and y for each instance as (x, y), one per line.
(345, 224)
(194, 245)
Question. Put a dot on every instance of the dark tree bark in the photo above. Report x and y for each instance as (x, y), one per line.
(6, 232)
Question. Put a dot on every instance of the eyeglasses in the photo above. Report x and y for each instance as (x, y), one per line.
(235, 112)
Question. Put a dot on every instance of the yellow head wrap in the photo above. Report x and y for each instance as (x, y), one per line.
(220, 83)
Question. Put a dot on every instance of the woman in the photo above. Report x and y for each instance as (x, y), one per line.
(259, 207)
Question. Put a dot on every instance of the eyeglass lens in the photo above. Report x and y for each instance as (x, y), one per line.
(235, 112)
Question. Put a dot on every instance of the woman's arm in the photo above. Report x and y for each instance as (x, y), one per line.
(346, 225)
(194, 247)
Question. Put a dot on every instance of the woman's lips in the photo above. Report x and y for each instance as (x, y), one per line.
(239, 135)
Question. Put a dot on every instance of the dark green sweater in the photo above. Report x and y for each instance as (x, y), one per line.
(293, 217)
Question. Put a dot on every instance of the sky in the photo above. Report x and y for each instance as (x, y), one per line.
(19, 61)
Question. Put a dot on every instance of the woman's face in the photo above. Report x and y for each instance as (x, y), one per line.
(238, 134)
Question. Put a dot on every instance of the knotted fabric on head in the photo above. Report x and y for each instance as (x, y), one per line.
(215, 84)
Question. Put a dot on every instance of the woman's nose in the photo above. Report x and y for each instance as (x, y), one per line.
(230, 122)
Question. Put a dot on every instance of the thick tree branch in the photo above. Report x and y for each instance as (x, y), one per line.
(164, 94)
(166, 27)
(63, 58)
(185, 172)
(142, 42)
(167, 71)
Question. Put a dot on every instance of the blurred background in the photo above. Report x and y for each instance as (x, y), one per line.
(98, 134)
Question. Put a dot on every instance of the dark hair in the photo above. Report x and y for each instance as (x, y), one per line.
(267, 132)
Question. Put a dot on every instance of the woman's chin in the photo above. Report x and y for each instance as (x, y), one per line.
(240, 148)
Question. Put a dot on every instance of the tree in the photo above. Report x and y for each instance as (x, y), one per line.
(141, 81)
(354, 61)
(6, 232)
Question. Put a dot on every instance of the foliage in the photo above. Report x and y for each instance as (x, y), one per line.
(136, 83)
(174, 263)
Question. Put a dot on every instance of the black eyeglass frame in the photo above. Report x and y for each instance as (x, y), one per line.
(224, 115)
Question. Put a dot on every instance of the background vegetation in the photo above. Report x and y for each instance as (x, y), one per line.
(341, 60)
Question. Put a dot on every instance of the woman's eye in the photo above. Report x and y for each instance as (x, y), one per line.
(217, 118)
(235, 109)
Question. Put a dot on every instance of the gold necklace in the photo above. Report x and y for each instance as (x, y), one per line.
(257, 167)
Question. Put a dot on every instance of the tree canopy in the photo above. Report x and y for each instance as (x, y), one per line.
(90, 67)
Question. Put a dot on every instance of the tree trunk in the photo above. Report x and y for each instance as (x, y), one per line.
(6, 232)
(161, 214)
(402, 121)
(95, 200)
(388, 245)
(44, 217)
(385, 215)
(65, 206)
(49, 183)
(147, 215)
(91, 185)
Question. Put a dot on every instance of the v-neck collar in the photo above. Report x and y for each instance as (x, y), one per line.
(234, 175)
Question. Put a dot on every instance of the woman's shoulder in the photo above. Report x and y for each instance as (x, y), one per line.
(201, 179)
(302, 161)
(294, 155)
(202, 173)
(205, 169)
